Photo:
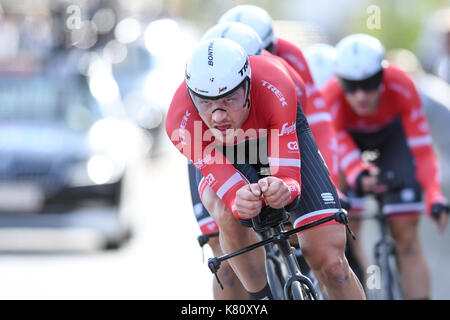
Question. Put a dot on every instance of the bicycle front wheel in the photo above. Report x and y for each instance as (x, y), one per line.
(391, 288)
(275, 277)
(300, 287)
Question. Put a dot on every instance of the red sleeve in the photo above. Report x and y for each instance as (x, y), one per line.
(300, 86)
(418, 138)
(276, 98)
(349, 155)
(315, 107)
(326, 138)
(189, 134)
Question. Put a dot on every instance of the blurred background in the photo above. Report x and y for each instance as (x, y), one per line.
(94, 200)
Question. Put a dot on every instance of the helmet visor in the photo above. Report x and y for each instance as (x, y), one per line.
(370, 84)
(232, 101)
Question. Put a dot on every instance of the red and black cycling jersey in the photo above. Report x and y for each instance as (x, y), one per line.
(316, 110)
(273, 109)
(399, 99)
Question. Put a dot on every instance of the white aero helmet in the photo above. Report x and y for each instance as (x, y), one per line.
(255, 17)
(320, 58)
(217, 67)
(358, 57)
(241, 33)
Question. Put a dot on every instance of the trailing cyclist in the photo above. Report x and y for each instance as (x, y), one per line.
(375, 106)
(227, 99)
(315, 109)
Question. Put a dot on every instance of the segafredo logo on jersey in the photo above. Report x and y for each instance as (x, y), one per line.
(287, 129)
(275, 91)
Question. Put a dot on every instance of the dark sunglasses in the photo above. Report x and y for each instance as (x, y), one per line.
(369, 84)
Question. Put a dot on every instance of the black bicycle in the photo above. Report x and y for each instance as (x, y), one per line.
(284, 275)
(384, 280)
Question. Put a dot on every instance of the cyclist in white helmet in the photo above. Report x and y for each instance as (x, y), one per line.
(251, 43)
(240, 33)
(227, 99)
(320, 58)
(377, 107)
(316, 110)
(232, 287)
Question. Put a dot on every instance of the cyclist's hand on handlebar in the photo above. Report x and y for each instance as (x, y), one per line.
(440, 212)
(276, 192)
(369, 180)
(248, 201)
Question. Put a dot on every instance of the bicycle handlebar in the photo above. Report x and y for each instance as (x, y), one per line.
(437, 208)
(340, 216)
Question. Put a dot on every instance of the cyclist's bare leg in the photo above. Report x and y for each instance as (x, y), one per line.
(323, 248)
(250, 267)
(232, 287)
(413, 267)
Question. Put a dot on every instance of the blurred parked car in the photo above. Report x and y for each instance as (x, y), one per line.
(62, 161)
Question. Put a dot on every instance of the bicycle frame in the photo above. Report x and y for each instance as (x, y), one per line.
(384, 248)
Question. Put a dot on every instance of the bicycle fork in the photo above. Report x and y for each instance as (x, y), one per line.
(290, 260)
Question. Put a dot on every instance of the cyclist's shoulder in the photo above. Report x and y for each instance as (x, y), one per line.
(283, 46)
(268, 68)
(332, 90)
(180, 95)
(180, 109)
(398, 82)
(286, 67)
(266, 60)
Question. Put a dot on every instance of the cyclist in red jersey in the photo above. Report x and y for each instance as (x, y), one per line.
(232, 287)
(251, 43)
(320, 58)
(376, 106)
(315, 109)
(227, 99)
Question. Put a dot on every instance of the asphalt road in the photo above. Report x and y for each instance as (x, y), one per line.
(161, 261)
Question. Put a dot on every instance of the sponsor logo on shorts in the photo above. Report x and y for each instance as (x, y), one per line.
(328, 198)
(407, 195)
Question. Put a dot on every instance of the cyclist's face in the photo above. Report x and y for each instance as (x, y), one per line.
(224, 114)
(364, 103)
(231, 102)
